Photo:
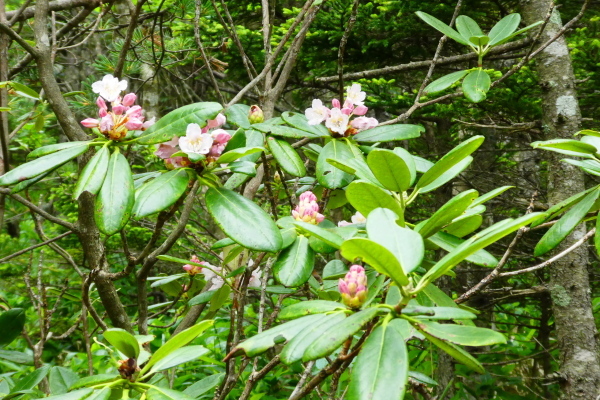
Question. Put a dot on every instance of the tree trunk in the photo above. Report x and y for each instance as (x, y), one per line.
(568, 282)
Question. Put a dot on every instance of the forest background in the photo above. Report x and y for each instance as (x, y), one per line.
(177, 52)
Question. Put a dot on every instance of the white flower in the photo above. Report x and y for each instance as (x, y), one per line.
(213, 281)
(255, 280)
(337, 122)
(355, 95)
(317, 114)
(358, 218)
(109, 87)
(195, 141)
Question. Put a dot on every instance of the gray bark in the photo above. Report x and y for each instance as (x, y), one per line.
(568, 278)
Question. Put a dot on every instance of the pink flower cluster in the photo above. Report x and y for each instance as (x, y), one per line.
(353, 287)
(197, 141)
(123, 115)
(194, 269)
(337, 119)
(307, 209)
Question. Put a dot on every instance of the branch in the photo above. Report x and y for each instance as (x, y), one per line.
(39, 211)
(57, 5)
(35, 246)
(15, 36)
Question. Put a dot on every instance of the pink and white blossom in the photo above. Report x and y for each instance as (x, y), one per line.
(317, 113)
(213, 281)
(363, 123)
(307, 209)
(357, 218)
(194, 141)
(193, 269)
(353, 287)
(109, 87)
(355, 95)
(337, 121)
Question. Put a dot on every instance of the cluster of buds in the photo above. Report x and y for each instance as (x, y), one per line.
(353, 287)
(128, 369)
(337, 119)
(193, 269)
(307, 209)
(255, 116)
(208, 142)
(357, 218)
(122, 117)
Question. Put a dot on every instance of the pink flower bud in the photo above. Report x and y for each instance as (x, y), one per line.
(256, 115)
(90, 123)
(348, 104)
(193, 269)
(134, 112)
(129, 99)
(149, 123)
(361, 110)
(346, 111)
(220, 136)
(353, 287)
(363, 123)
(307, 209)
(308, 196)
(101, 103)
(335, 103)
(119, 109)
(134, 124)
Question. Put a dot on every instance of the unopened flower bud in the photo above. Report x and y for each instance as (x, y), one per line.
(353, 287)
(90, 123)
(336, 103)
(256, 115)
(119, 109)
(361, 110)
(193, 269)
(129, 99)
(307, 209)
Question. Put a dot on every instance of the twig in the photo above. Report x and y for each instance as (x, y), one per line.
(35, 246)
(342, 49)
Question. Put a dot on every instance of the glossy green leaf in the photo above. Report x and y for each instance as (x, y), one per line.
(517, 33)
(123, 341)
(452, 158)
(242, 220)
(448, 175)
(161, 393)
(450, 242)
(438, 313)
(301, 122)
(31, 380)
(334, 269)
(61, 379)
(116, 197)
(178, 356)
(237, 115)
(203, 297)
(445, 214)
(204, 385)
(332, 239)
(176, 122)
(176, 342)
(220, 297)
(564, 205)
(76, 395)
(365, 197)
(489, 195)
(243, 167)
(504, 28)
(309, 307)
(404, 243)
(294, 350)
(284, 131)
(381, 368)
(161, 193)
(100, 394)
(588, 132)
(390, 169)
(442, 27)
(16, 357)
(479, 41)
(566, 224)
(461, 334)
(457, 353)
(569, 147)
(24, 91)
(467, 27)
(462, 226)
(11, 325)
(330, 340)
(238, 153)
(265, 340)
(356, 166)
(476, 85)
(389, 133)
(444, 82)
(377, 256)
(295, 264)
(328, 175)
(53, 148)
(93, 174)
(95, 380)
(287, 157)
(42, 165)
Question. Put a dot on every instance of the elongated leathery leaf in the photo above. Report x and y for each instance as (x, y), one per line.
(11, 325)
(452, 209)
(442, 27)
(365, 197)
(124, 341)
(476, 85)
(377, 256)
(309, 307)
(161, 193)
(460, 334)
(390, 169)
(299, 121)
(178, 356)
(444, 82)
(286, 157)
(295, 263)
(504, 28)
(448, 175)
(284, 131)
(237, 114)
(456, 352)
(328, 175)
(242, 220)
(567, 146)
(93, 174)
(381, 369)
(53, 148)
(467, 27)
(388, 133)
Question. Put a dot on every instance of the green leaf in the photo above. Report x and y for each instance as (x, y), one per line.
(301, 122)
(175, 123)
(42, 165)
(238, 153)
(328, 175)
(444, 82)
(30, 381)
(467, 27)
(178, 356)
(566, 224)
(450, 242)
(390, 169)
(294, 350)
(461, 334)
(381, 369)
(442, 27)
(330, 340)
(330, 238)
(448, 175)
(16, 356)
(456, 155)
(377, 256)
(476, 85)
(94, 380)
(24, 91)
(404, 243)
(93, 174)
(284, 131)
(203, 297)
(243, 167)
(61, 379)
(242, 220)
(438, 313)
(116, 198)
(237, 115)
(176, 342)
(389, 133)
(287, 157)
(464, 225)
(504, 28)
(11, 325)
(365, 197)
(53, 148)
(309, 307)
(264, 341)
(567, 146)
(333, 269)
(77, 395)
(161, 193)
(161, 393)
(357, 166)
(489, 195)
(445, 214)
(517, 33)
(204, 385)
(123, 341)
(457, 353)
(100, 394)
(564, 205)
(295, 263)
(479, 41)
